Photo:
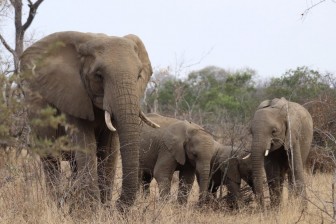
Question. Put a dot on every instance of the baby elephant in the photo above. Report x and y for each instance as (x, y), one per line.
(176, 146)
(228, 167)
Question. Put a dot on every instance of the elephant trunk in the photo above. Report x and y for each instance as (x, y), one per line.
(257, 157)
(203, 181)
(129, 150)
(124, 109)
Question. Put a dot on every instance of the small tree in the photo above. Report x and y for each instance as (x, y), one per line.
(20, 27)
(13, 115)
(222, 93)
(299, 85)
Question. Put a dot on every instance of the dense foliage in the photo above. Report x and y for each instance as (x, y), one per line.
(299, 85)
(222, 99)
(213, 95)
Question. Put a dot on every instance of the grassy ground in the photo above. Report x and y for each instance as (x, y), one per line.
(23, 199)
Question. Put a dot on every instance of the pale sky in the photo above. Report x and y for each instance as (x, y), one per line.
(267, 36)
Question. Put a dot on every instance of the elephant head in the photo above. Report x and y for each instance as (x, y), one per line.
(190, 143)
(82, 73)
(278, 125)
(229, 166)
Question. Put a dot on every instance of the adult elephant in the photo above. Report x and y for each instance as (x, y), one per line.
(282, 131)
(228, 167)
(96, 81)
(176, 146)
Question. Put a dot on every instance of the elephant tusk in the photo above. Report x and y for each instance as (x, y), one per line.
(266, 153)
(147, 120)
(247, 156)
(108, 121)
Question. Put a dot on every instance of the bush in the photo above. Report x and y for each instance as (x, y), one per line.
(321, 160)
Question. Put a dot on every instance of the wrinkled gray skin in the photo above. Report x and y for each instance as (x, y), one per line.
(83, 75)
(286, 130)
(228, 168)
(176, 146)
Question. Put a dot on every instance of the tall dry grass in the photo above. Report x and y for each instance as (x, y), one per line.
(23, 199)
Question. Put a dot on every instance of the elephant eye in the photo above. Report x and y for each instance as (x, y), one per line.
(98, 75)
(274, 131)
(139, 74)
(195, 154)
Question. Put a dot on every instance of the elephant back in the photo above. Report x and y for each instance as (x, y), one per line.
(163, 121)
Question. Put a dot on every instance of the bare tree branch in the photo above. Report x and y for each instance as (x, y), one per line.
(20, 28)
(4, 42)
(32, 12)
(309, 8)
(12, 2)
(5, 7)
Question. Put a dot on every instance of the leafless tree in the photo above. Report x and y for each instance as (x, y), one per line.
(10, 86)
(20, 26)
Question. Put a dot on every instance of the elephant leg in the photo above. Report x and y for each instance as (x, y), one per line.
(215, 182)
(85, 157)
(146, 180)
(163, 173)
(70, 156)
(51, 160)
(290, 183)
(87, 176)
(107, 154)
(281, 182)
(298, 179)
(274, 181)
(213, 188)
(233, 193)
(187, 178)
(73, 165)
(52, 169)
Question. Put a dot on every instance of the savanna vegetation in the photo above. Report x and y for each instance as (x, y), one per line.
(221, 100)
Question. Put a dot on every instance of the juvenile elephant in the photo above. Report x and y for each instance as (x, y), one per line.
(176, 146)
(282, 131)
(94, 80)
(229, 167)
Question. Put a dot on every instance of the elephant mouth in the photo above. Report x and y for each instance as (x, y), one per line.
(143, 117)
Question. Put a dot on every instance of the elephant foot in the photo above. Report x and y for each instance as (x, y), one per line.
(182, 200)
(123, 206)
(275, 201)
(201, 204)
(83, 208)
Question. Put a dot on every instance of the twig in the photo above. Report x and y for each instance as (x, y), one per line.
(32, 12)
(309, 8)
(333, 196)
(322, 209)
(160, 210)
(291, 146)
(6, 45)
(302, 211)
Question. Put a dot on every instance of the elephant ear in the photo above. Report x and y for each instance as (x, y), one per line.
(52, 68)
(147, 70)
(265, 103)
(279, 103)
(275, 103)
(232, 170)
(174, 138)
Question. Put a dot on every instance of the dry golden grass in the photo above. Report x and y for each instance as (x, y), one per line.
(23, 199)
